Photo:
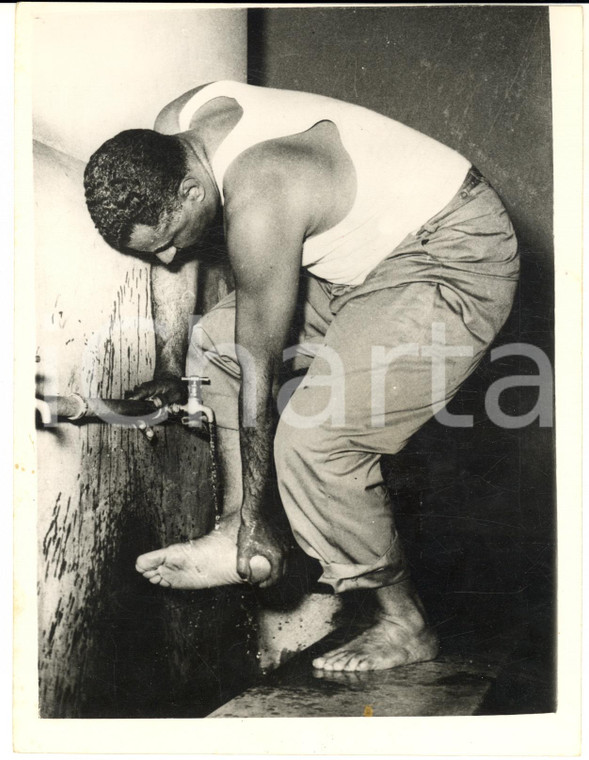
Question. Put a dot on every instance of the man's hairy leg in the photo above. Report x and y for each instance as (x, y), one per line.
(211, 560)
(400, 635)
(230, 464)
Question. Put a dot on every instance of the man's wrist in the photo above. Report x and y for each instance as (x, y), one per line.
(168, 373)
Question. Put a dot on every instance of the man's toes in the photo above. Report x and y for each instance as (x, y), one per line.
(150, 561)
(326, 661)
(354, 662)
(364, 664)
(339, 662)
(157, 580)
(147, 574)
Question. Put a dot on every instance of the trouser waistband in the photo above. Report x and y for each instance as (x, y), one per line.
(472, 179)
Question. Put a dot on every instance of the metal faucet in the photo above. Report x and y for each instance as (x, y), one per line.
(195, 407)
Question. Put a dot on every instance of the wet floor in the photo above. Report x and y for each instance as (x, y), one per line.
(454, 684)
(448, 686)
(491, 661)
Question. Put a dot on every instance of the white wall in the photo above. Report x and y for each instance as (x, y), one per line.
(97, 71)
(103, 68)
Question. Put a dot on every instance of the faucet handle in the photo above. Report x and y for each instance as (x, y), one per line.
(194, 384)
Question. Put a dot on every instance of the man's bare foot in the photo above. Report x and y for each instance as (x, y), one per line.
(204, 562)
(400, 636)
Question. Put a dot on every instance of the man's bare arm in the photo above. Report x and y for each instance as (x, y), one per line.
(265, 247)
(173, 299)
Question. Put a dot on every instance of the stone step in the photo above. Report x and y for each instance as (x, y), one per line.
(454, 684)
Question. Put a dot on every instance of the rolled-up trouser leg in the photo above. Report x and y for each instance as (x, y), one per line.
(368, 390)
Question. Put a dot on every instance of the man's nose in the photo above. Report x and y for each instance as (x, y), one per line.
(167, 256)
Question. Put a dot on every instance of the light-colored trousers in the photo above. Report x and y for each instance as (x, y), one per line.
(382, 358)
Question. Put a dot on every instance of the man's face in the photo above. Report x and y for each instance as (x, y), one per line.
(180, 228)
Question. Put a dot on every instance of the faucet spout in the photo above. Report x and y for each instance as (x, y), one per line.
(194, 408)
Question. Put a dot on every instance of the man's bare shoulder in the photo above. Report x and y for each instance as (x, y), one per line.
(291, 178)
(270, 174)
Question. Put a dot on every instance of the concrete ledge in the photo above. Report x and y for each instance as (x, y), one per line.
(451, 685)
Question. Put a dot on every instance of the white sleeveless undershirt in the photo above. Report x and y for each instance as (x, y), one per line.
(403, 177)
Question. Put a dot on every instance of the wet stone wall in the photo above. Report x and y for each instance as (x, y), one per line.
(110, 644)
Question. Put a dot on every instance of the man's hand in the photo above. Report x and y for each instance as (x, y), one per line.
(169, 388)
(258, 537)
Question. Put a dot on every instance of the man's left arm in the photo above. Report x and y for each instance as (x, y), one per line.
(265, 247)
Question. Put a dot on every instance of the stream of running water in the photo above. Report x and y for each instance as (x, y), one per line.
(216, 480)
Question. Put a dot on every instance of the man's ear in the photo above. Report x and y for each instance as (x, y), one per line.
(190, 187)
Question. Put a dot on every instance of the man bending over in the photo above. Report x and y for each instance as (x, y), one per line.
(400, 254)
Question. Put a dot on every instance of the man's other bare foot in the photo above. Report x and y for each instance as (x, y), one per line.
(204, 562)
(400, 636)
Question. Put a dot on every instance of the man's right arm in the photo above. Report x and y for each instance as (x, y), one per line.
(173, 299)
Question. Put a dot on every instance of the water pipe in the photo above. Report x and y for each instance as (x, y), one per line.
(75, 407)
(143, 413)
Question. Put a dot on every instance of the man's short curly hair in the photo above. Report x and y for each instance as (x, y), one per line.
(133, 178)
